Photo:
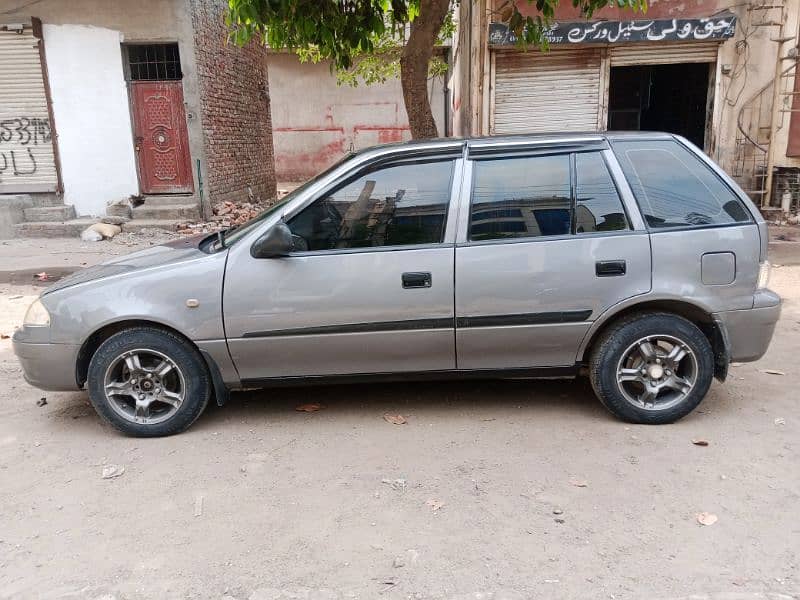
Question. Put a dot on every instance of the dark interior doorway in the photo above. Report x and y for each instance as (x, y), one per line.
(671, 98)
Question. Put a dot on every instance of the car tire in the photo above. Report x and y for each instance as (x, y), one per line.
(147, 382)
(651, 368)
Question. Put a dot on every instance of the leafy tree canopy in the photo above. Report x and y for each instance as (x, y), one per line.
(341, 30)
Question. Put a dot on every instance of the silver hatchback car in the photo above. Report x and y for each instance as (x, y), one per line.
(628, 256)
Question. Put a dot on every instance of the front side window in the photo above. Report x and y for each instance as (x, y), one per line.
(675, 188)
(392, 205)
(521, 198)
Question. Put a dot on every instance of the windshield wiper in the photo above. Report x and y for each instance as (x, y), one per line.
(221, 238)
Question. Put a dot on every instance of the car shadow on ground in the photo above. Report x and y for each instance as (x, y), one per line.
(557, 401)
(419, 400)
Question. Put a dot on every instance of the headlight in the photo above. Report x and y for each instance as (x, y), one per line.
(763, 275)
(37, 314)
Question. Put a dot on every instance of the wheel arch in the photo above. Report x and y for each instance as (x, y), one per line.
(100, 335)
(699, 315)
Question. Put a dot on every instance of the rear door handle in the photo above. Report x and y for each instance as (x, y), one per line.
(417, 280)
(610, 268)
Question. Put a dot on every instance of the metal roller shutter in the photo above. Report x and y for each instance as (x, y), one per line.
(553, 91)
(27, 163)
(662, 54)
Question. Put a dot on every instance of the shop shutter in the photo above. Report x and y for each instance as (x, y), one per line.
(662, 54)
(557, 90)
(27, 163)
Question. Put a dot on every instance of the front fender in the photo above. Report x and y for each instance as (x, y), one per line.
(158, 294)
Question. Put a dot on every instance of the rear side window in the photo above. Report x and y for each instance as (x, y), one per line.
(675, 188)
(534, 196)
(521, 197)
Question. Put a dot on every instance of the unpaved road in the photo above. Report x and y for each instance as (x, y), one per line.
(258, 501)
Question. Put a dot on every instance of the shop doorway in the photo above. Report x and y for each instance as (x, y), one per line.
(672, 98)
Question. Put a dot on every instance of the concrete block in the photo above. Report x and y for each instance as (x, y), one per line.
(12, 212)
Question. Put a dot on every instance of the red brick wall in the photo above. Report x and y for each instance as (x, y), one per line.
(235, 109)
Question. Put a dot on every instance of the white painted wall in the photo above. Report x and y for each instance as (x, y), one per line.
(92, 117)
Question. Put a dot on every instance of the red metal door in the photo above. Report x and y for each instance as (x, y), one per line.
(160, 136)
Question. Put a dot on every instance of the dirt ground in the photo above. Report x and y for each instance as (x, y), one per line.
(491, 491)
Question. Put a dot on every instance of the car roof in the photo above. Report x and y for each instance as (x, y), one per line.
(552, 138)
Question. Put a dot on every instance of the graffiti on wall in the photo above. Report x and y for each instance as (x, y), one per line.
(25, 131)
(19, 137)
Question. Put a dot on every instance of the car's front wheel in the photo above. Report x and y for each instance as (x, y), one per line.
(148, 382)
(652, 368)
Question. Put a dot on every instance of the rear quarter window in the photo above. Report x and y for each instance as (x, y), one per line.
(674, 188)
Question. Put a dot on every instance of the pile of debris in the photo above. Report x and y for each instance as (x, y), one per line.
(226, 214)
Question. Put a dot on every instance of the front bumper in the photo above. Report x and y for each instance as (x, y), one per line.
(47, 366)
(749, 332)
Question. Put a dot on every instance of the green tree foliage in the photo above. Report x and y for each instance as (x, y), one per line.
(371, 40)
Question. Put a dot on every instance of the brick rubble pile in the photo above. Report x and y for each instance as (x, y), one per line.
(226, 214)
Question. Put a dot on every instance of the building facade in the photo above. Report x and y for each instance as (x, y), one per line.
(721, 75)
(104, 101)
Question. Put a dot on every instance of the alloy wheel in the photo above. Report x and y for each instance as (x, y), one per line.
(144, 386)
(657, 372)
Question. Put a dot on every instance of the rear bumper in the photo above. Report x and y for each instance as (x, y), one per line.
(749, 332)
(48, 366)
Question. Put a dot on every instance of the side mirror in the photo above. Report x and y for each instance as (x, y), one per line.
(276, 241)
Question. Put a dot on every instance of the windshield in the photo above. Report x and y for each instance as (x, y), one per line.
(237, 233)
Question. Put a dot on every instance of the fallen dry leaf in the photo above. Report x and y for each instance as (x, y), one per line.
(43, 276)
(3, 336)
(395, 419)
(580, 483)
(772, 372)
(434, 504)
(700, 442)
(313, 407)
(706, 518)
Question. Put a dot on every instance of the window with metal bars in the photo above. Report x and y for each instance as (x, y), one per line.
(154, 62)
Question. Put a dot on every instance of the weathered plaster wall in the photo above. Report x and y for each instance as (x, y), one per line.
(90, 105)
(316, 121)
(781, 139)
(146, 20)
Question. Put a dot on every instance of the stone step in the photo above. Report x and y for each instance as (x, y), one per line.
(52, 229)
(23, 200)
(137, 225)
(50, 213)
(167, 199)
(183, 212)
(48, 199)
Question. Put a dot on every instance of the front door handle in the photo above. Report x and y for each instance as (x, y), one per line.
(610, 268)
(417, 280)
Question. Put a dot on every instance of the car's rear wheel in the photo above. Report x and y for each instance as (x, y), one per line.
(148, 382)
(652, 368)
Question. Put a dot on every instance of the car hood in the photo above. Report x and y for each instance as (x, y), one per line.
(157, 256)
